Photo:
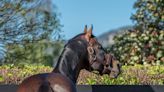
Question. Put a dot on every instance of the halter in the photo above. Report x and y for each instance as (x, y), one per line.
(92, 54)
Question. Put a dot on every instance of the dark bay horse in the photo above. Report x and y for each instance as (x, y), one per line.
(81, 52)
(111, 66)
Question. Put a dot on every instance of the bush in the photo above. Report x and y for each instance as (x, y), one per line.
(11, 74)
(41, 52)
(131, 75)
(139, 47)
(144, 44)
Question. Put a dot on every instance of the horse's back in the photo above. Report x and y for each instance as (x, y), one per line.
(47, 82)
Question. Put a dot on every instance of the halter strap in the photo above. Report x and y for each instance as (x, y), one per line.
(92, 56)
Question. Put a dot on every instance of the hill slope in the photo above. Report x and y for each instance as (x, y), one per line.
(106, 39)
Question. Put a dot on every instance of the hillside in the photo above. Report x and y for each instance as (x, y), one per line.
(106, 39)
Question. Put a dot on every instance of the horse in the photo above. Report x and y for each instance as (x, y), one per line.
(111, 66)
(81, 52)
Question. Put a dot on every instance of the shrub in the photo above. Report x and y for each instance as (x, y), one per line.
(11, 74)
(131, 75)
(139, 47)
(144, 44)
(41, 52)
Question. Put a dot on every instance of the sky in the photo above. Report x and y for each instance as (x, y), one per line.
(103, 14)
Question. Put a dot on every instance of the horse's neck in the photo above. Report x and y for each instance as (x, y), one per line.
(69, 64)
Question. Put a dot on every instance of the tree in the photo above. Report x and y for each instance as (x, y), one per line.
(27, 19)
(149, 14)
(143, 44)
(43, 52)
(2, 52)
(136, 47)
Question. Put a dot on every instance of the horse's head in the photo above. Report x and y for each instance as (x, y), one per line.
(112, 66)
(96, 54)
(98, 58)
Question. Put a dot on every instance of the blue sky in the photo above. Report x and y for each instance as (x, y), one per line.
(103, 14)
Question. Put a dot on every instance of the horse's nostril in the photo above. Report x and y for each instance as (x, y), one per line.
(106, 65)
(109, 68)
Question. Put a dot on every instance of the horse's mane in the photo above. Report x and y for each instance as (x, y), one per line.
(75, 38)
(78, 36)
(72, 39)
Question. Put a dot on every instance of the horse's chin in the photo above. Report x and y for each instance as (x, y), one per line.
(114, 75)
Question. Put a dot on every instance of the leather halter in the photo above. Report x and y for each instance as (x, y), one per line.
(92, 54)
(91, 51)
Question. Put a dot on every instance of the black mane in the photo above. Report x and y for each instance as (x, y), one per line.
(92, 36)
(79, 35)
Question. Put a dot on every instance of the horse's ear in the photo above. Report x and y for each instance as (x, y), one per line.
(90, 30)
(85, 29)
(88, 34)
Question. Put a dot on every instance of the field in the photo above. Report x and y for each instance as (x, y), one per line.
(131, 75)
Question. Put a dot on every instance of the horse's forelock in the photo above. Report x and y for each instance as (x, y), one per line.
(94, 41)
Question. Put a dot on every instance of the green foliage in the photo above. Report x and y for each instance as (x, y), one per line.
(27, 19)
(144, 44)
(131, 75)
(139, 47)
(11, 74)
(149, 14)
(91, 81)
(42, 52)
